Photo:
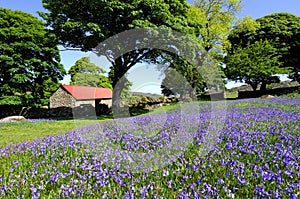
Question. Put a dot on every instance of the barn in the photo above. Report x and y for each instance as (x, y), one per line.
(70, 96)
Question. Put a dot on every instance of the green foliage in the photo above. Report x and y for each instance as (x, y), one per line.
(104, 82)
(216, 18)
(182, 79)
(254, 64)
(126, 95)
(29, 58)
(102, 19)
(85, 24)
(243, 32)
(10, 100)
(49, 87)
(214, 21)
(85, 73)
(282, 30)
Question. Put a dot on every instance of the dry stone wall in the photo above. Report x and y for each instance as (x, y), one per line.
(59, 112)
(61, 99)
(276, 91)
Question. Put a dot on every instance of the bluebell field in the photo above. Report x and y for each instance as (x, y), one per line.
(252, 151)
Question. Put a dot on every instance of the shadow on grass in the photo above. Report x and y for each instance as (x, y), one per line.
(132, 111)
(135, 111)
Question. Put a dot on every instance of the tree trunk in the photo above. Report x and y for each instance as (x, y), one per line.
(263, 86)
(254, 86)
(118, 83)
(297, 76)
(117, 110)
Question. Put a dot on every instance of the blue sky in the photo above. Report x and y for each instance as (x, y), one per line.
(254, 8)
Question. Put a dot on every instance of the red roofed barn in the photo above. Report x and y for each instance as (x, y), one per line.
(75, 96)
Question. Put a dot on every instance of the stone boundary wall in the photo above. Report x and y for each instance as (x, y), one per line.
(276, 91)
(44, 112)
(215, 96)
(147, 102)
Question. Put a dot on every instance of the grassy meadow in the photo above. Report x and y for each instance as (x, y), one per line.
(174, 152)
(17, 132)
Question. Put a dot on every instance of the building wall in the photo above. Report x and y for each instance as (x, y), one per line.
(62, 98)
(108, 102)
(85, 102)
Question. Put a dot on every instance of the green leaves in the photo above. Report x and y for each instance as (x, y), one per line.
(216, 19)
(86, 24)
(85, 73)
(29, 56)
(254, 64)
(282, 30)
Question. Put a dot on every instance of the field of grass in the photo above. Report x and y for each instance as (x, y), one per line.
(170, 153)
(16, 132)
(231, 95)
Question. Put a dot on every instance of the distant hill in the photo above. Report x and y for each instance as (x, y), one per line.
(152, 95)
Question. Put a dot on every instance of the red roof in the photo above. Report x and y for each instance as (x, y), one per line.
(88, 92)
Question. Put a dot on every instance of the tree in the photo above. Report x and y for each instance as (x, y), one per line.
(255, 64)
(85, 24)
(182, 79)
(216, 17)
(282, 30)
(29, 59)
(85, 73)
(175, 84)
(104, 82)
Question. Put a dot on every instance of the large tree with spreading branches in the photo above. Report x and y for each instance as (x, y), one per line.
(87, 25)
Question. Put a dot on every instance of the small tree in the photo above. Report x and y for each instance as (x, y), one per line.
(282, 30)
(85, 73)
(255, 64)
(182, 78)
(175, 84)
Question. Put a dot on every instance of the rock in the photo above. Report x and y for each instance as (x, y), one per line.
(13, 119)
(266, 96)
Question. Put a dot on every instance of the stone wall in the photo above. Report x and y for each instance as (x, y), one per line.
(215, 96)
(276, 91)
(10, 110)
(59, 112)
(61, 98)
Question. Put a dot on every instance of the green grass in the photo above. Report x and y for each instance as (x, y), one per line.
(11, 133)
(40, 168)
(17, 132)
(231, 95)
